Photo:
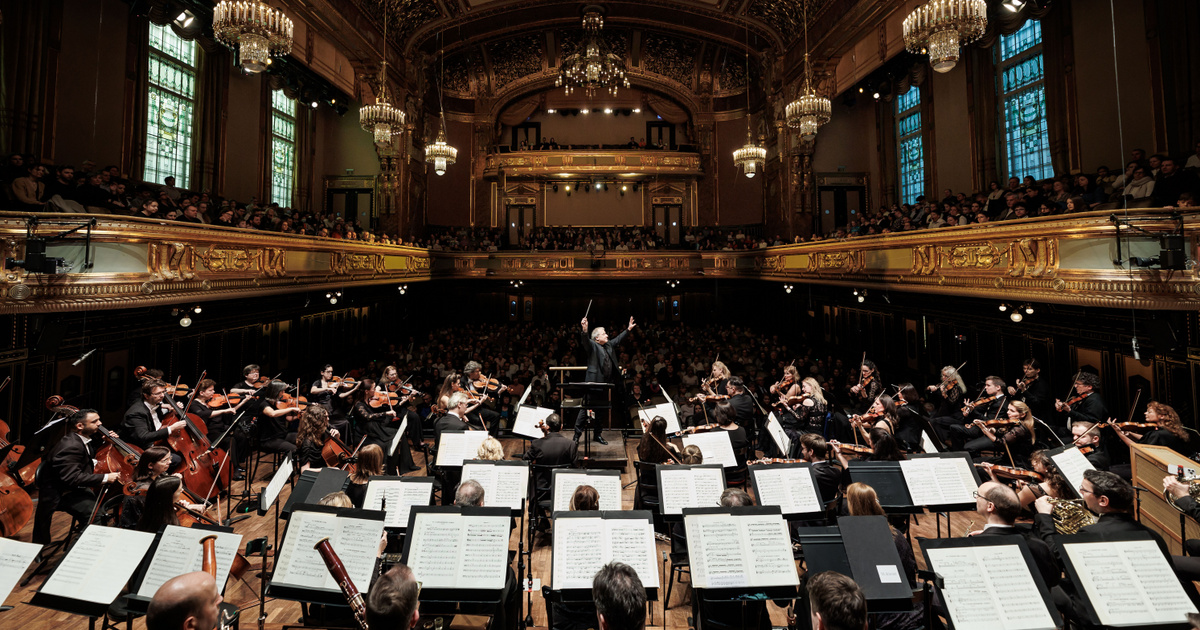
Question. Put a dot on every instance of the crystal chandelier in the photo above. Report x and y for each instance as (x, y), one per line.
(592, 66)
(751, 157)
(943, 26)
(256, 30)
(811, 110)
(440, 152)
(382, 120)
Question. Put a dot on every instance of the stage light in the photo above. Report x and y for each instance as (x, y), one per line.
(607, 110)
(876, 95)
(1003, 308)
(637, 110)
(314, 104)
(624, 188)
(1029, 309)
(862, 298)
(568, 188)
(550, 111)
(860, 90)
(585, 111)
(598, 185)
(185, 321)
(1013, 6)
(1016, 317)
(197, 310)
(856, 292)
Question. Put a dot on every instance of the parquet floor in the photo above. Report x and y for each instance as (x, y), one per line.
(244, 593)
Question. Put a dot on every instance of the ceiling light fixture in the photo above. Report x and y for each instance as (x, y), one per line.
(382, 119)
(257, 31)
(751, 157)
(593, 65)
(440, 152)
(811, 110)
(944, 26)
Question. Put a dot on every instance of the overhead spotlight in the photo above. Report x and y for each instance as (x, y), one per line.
(856, 292)
(860, 90)
(624, 188)
(1003, 308)
(862, 298)
(333, 101)
(568, 188)
(339, 294)
(637, 110)
(185, 321)
(788, 287)
(550, 111)
(1013, 6)
(598, 184)
(1016, 316)
(607, 110)
(876, 95)
(328, 295)
(333, 300)
(585, 111)
(313, 104)
(185, 19)
(1029, 309)
(197, 310)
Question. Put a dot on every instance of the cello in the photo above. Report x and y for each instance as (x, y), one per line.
(13, 472)
(203, 474)
(16, 507)
(120, 457)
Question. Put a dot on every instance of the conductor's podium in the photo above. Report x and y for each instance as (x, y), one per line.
(1149, 467)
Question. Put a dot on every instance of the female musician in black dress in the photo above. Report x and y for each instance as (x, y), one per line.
(370, 464)
(910, 417)
(377, 423)
(949, 393)
(153, 463)
(310, 438)
(1016, 438)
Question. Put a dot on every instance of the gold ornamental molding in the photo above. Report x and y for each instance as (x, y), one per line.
(581, 162)
(141, 262)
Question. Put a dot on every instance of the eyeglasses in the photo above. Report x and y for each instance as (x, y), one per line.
(975, 494)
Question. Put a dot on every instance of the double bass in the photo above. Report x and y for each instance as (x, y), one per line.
(13, 471)
(16, 507)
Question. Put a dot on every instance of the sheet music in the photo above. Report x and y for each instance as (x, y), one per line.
(271, 493)
(666, 410)
(400, 495)
(715, 446)
(740, 551)
(528, 419)
(927, 444)
(1072, 464)
(99, 564)
(399, 434)
(990, 588)
(356, 541)
(456, 551)
(1129, 582)
(15, 557)
(453, 448)
(179, 551)
(583, 545)
(521, 403)
(690, 487)
(936, 481)
(791, 488)
(502, 485)
(775, 429)
(607, 486)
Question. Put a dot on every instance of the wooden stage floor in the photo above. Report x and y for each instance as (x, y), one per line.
(244, 593)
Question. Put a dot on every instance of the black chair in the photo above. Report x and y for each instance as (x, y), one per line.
(646, 496)
(541, 493)
(679, 561)
(737, 476)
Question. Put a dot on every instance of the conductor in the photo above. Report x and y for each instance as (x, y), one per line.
(602, 368)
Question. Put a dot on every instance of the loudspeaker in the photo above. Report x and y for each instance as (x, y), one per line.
(1172, 255)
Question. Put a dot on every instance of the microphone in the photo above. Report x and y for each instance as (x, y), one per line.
(84, 357)
(1136, 355)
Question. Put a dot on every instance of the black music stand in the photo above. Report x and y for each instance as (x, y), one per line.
(887, 479)
(580, 596)
(587, 393)
(856, 548)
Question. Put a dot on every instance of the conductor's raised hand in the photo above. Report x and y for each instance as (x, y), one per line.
(631, 324)
(584, 323)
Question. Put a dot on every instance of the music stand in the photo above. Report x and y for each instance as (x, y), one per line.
(587, 393)
(313, 485)
(584, 595)
(858, 547)
(887, 480)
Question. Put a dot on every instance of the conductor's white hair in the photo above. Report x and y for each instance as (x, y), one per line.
(596, 332)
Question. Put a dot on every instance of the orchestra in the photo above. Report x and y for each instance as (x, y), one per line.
(179, 450)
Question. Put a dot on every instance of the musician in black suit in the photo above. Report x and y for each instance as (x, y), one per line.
(553, 449)
(483, 415)
(999, 506)
(1112, 498)
(602, 367)
(455, 419)
(1086, 405)
(1086, 436)
(1033, 390)
(68, 476)
(827, 474)
(143, 423)
(743, 406)
(956, 429)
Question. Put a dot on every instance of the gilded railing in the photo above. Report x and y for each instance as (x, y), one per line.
(585, 162)
(138, 262)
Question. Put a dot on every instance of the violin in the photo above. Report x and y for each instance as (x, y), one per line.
(699, 429)
(1086, 449)
(1024, 383)
(967, 407)
(1127, 426)
(1010, 472)
(866, 417)
(774, 460)
(489, 385)
(380, 399)
(708, 398)
(791, 401)
(947, 387)
(221, 400)
(1078, 398)
(401, 388)
(1000, 422)
(787, 382)
(861, 450)
(288, 401)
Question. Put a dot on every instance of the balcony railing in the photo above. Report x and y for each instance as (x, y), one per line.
(585, 162)
(141, 262)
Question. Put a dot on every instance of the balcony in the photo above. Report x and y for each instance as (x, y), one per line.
(587, 162)
(141, 262)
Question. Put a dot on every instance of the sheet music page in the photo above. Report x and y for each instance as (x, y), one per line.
(936, 481)
(955, 479)
(990, 588)
(484, 552)
(716, 551)
(400, 495)
(775, 429)
(282, 474)
(709, 483)
(357, 544)
(1129, 582)
(1072, 464)
(667, 411)
(455, 447)
(15, 557)
(399, 434)
(792, 489)
(99, 564)
(436, 549)
(502, 485)
(578, 552)
(678, 490)
(528, 419)
(715, 446)
(298, 563)
(179, 551)
(631, 541)
(768, 550)
(607, 486)
(521, 403)
(927, 443)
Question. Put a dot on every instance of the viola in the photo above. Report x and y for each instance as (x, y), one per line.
(1010, 472)
(222, 400)
(1126, 426)
(288, 401)
(380, 399)
(699, 429)
(774, 460)
(1000, 422)
(866, 417)
(1086, 449)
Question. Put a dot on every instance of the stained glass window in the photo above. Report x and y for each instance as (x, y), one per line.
(1026, 134)
(911, 150)
(283, 148)
(171, 103)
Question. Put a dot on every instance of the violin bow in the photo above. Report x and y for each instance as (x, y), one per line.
(7, 380)
(1133, 408)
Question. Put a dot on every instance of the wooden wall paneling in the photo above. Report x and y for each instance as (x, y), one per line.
(117, 382)
(912, 344)
(1135, 375)
(284, 339)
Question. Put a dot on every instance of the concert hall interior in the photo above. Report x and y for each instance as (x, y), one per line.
(368, 313)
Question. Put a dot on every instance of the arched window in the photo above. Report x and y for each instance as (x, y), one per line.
(911, 148)
(283, 148)
(171, 103)
(1025, 134)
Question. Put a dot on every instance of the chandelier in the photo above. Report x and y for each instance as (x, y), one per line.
(440, 152)
(382, 120)
(943, 26)
(811, 110)
(257, 31)
(751, 157)
(592, 66)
